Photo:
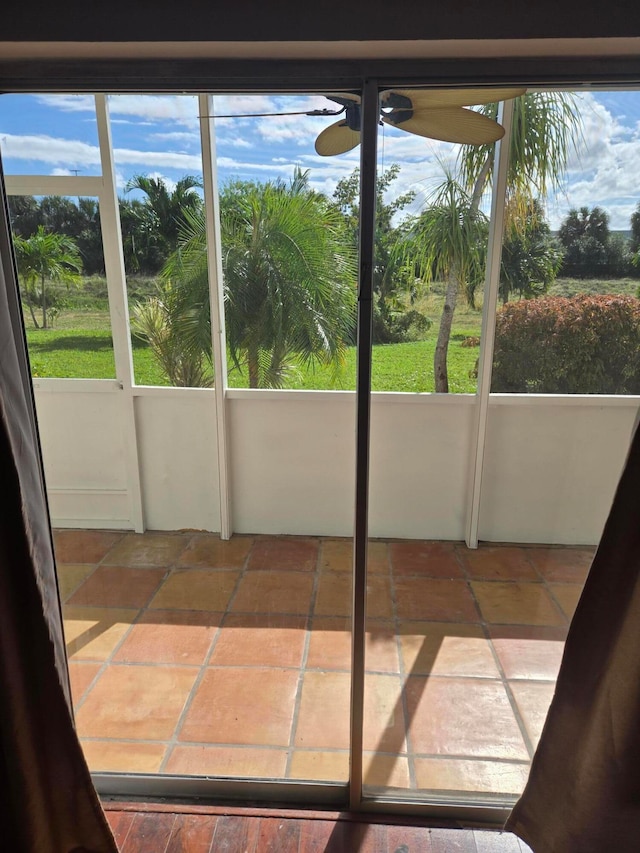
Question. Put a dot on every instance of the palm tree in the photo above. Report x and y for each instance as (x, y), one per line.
(289, 280)
(169, 206)
(451, 235)
(156, 321)
(545, 127)
(531, 256)
(45, 257)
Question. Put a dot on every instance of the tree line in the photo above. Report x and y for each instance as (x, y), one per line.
(150, 226)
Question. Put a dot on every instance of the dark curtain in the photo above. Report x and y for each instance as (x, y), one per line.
(47, 800)
(583, 792)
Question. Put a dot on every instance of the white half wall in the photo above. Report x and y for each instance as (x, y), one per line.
(82, 432)
(292, 467)
(551, 463)
(419, 463)
(552, 467)
(176, 431)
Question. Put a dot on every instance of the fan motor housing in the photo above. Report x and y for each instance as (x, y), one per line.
(353, 117)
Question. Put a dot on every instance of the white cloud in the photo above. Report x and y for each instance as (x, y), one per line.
(169, 184)
(70, 153)
(604, 170)
(237, 167)
(180, 108)
(297, 129)
(192, 137)
(223, 141)
(239, 105)
(161, 159)
(68, 103)
(48, 149)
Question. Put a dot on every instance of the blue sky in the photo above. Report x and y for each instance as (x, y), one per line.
(158, 135)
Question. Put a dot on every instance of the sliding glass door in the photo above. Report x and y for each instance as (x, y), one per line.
(272, 444)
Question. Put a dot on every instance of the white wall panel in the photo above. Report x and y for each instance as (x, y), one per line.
(84, 456)
(551, 468)
(419, 465)
(178, 466)
(99, 508)
(292, 462)
(293, 459)
(551, 464)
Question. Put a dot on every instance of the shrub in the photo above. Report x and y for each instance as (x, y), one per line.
(396, 327)
(579, 345)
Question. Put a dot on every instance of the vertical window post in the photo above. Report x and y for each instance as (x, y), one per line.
(216, 303)
(487, 336)
(368, 149)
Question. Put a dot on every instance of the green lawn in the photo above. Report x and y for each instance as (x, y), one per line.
(86, 354)
(79, 346)
(396, 367)
(575, 286)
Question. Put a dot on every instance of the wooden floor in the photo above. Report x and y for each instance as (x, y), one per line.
(142, 828)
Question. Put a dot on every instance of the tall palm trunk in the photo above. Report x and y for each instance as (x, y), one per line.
(253, 368)
(444, 333)
(44, 305)
(440, 370)
(33, 314)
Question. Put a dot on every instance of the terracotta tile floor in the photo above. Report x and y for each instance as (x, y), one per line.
(190, 655)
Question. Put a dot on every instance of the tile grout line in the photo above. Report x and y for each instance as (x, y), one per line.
(303, 665)
(174, 740)
(404, 679)
(507, 687)
(109, 660)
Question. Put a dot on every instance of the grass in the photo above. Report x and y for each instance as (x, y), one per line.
(86, 354)
(80, 346)
(592, 286)
(395, 367)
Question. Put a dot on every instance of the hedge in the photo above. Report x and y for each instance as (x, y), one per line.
(579, 345)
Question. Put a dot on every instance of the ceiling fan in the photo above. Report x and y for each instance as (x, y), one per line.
(434, 113)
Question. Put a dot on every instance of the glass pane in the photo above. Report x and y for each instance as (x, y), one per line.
(157, 157)
(49, 135)
(58, 246)
(464, 645)
(192, 655)
(570, 274)
(289, 244)
(427, 300)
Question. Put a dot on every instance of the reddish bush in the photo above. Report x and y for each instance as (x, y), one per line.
(582, 345)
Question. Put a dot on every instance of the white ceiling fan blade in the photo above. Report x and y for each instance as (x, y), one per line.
(347, 96)
(449, 124)
(434, 98)
(336, 139)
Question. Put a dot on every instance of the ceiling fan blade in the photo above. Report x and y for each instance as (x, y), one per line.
(336, 139)
(347, 96)
(449, 124)
(435, 98)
